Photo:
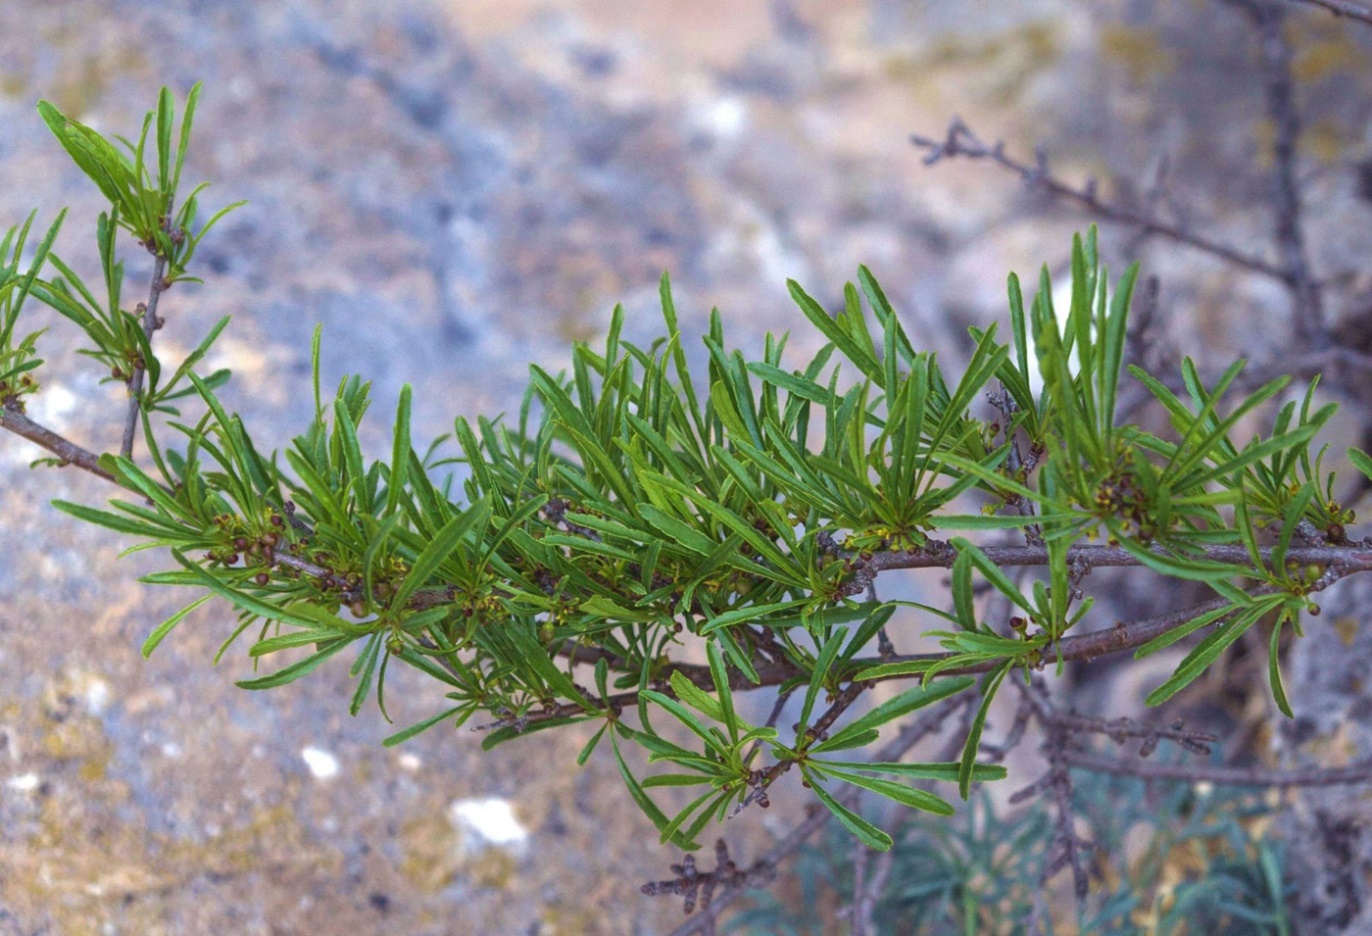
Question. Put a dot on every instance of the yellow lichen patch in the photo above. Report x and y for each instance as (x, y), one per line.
(432, 860)
(492, 867)
(1327, 141)
(74, 739)
(1002, 63)
(1318, 59)
(1140, 51)
(81, 869)
(1347, 629)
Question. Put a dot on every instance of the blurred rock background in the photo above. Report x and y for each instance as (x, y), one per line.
(455, 188)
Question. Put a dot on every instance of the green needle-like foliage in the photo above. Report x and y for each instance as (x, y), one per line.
(641, 544)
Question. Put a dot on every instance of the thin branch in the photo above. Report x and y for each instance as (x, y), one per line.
(150, 324)
(1125, 635)
(961, 141)
(867, 888)
(1348, 8)
(1360, 772)
(1120, 730)
(1279, 90)
(12, 417)
(1068, 845)
(941, 555)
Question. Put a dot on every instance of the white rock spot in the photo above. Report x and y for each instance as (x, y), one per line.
(489, 821)
(321, 763)
(24, 783)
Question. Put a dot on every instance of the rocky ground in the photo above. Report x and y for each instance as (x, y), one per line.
(455, 188)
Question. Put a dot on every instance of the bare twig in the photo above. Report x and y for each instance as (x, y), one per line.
(1120, 730)
(694, 885)
(1360, 772)
(941, 555)
(1068, 847)
(867, 888)
(1348, 8)
(1279, 89)
(961, 141)
(12, 417)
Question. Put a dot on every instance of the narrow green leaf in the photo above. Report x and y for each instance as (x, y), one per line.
(719, 673)
(1361, 461)
(992, 573)
(645, 803)
(400, 452)
(352, 456)
(590, 746)
(820, 675)
(969, 750)
(748, 613)
(364, 671)
(295, 670)
(165, 628)
(1177, 633)
(697, 698)
(905, 795)
(109, 520)
(165, 109)
(1205, 653)
(944, 771)
(1274, 669)
(867, 833)
(912, 699)
(402, 736)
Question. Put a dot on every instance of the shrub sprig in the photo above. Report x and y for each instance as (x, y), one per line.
(634, 516)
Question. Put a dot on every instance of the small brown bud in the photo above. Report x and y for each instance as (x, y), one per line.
(262, 578)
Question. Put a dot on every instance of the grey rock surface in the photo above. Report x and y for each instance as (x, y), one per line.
(455, 189)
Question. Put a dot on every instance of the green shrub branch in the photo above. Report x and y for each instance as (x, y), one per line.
(640, 542)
